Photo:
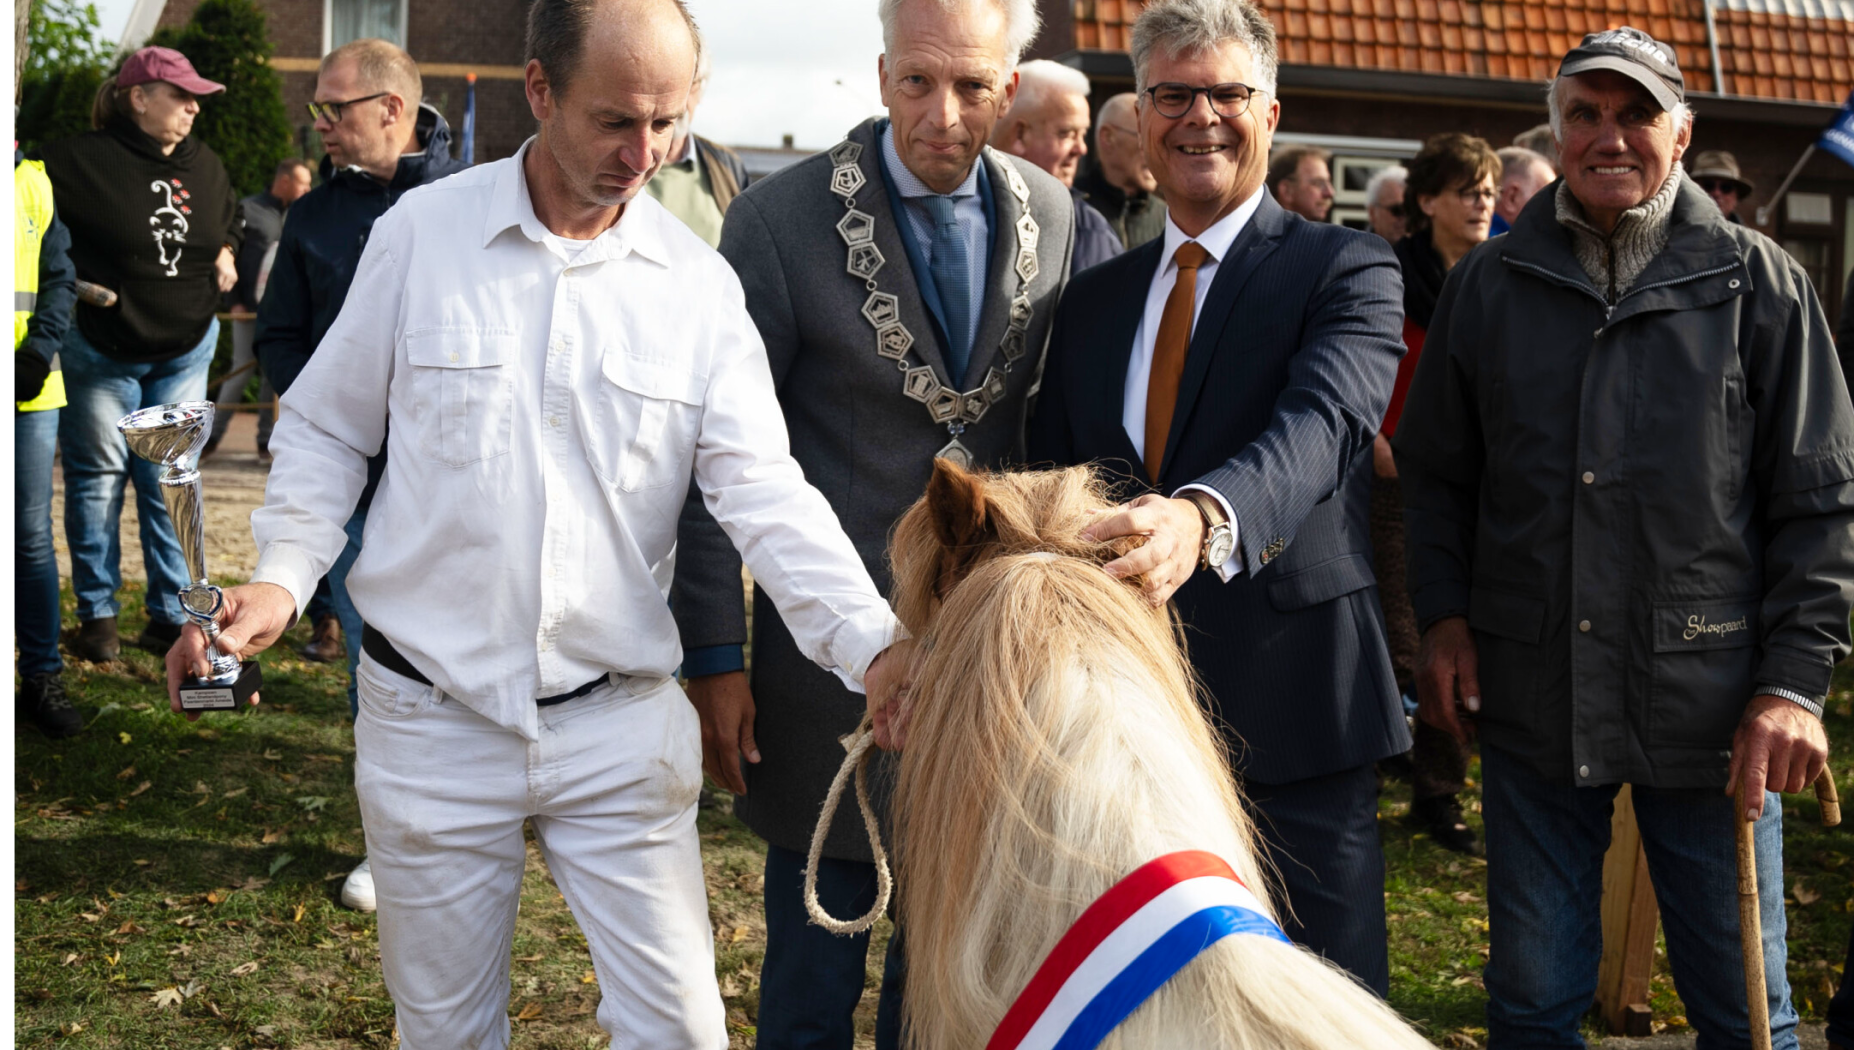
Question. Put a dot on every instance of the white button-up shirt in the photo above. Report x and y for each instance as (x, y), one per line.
(1216, 241)
(543, 410)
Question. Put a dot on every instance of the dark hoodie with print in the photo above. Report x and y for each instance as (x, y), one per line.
(320, 247)
(147, 226)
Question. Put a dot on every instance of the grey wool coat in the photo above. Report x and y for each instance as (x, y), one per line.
(867, 446)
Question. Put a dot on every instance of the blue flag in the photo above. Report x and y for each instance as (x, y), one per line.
(468, 152)
(1839, 138)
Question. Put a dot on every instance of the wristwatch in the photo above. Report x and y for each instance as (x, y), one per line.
(1808, 704)
(1219, 537)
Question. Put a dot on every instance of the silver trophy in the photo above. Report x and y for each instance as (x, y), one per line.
(172, 436)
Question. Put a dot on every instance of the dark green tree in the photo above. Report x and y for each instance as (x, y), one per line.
(66, 61)
(227, 41)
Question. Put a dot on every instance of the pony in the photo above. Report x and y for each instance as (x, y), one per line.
(1055, 743)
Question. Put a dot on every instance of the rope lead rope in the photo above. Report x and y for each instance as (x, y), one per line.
(854, 761)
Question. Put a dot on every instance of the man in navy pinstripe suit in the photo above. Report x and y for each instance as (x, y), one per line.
(1239, 365)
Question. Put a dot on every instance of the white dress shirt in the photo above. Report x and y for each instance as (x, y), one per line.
(546, 412)
(1216, 241)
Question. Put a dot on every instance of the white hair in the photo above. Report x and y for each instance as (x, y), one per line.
(1516, 160)
(1177, 27)
(1394, 173)
(1039, 79)
(1554, 106)
(1021, 22)
(1125, 102)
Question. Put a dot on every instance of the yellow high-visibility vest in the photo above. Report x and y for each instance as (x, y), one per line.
(32, 216)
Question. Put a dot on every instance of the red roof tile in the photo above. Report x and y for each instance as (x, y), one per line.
(1765, 54)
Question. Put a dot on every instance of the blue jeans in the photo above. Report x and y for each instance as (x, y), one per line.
(35, 564)
(337, 580)
(1545, 845)
(811, 979)
(97, 465)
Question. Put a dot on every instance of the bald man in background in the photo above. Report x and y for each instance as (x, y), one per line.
(1119, 184)
(1047, 125)
(1522, 174)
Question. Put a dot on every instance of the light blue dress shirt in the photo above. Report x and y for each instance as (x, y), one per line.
(968, 212)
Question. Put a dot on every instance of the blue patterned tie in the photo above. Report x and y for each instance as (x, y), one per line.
(952, 277)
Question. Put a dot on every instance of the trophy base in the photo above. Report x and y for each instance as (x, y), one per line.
(198, 695)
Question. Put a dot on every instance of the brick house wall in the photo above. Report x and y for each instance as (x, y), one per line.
(446, 38)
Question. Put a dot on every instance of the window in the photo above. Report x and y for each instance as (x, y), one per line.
(1354, 161)
(348, 20)
(1814, 256)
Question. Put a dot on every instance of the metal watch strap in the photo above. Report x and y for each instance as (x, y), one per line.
(1814, 707)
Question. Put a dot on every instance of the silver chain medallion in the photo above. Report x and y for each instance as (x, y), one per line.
(893, 341)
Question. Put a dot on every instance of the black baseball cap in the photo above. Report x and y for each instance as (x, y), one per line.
(1635, 55)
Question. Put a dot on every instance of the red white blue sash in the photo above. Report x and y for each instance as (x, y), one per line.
(1125, 946)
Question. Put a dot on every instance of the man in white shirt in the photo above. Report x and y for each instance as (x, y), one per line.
(555, 355)
(1232, 373)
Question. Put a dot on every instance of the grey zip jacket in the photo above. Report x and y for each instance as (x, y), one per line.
(1645, 509)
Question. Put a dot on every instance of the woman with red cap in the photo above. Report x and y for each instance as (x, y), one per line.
(154, 219)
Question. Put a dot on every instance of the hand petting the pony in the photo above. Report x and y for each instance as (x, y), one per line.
(1174, 533)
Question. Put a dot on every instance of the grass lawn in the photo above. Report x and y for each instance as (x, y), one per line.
(175, 887)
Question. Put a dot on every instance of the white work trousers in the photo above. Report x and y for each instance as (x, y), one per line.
(611, 787)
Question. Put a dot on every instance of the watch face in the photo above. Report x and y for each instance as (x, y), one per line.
(1220, 546)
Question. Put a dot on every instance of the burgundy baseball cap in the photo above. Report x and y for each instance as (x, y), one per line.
(164, 63)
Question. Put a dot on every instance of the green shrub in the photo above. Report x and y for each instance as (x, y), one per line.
(66, 63)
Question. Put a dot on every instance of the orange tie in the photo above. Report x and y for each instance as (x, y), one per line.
(1168, 353)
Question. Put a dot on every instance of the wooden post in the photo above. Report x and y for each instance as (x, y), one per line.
(1629, 920)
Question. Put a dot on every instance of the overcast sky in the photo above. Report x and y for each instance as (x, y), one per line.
(804, 69)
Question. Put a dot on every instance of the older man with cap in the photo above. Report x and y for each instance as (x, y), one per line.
(1717, 173)
(1047, 125)
(1628, 471)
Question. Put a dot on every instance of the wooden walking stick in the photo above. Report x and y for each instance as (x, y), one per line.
(1750, 922)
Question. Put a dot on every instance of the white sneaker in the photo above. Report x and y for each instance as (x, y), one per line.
(357, 891)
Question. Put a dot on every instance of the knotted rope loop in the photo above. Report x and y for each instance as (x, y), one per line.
(854, 762)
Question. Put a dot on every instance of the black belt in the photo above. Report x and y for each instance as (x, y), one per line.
(374, 644)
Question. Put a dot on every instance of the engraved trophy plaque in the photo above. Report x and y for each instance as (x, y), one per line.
(172, 436)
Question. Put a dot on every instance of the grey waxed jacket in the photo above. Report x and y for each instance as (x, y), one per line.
(1645, 509)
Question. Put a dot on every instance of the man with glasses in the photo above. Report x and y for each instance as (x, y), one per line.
(1717, 173)
(1231, 376)
(381, 142)
(1119, 184)
(1384, 202)
(1302, 182)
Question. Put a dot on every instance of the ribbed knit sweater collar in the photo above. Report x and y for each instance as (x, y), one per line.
(1615, 261)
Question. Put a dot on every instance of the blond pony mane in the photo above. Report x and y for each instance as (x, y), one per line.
(1055, 743)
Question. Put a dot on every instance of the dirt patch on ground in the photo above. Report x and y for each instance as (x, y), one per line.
(234, 488)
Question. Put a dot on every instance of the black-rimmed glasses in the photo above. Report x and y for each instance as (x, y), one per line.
(331, 111)
(1175, 100)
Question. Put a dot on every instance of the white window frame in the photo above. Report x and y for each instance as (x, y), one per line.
(1352, 151)
(328, 24)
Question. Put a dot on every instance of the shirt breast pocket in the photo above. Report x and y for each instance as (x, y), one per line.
(463, 391)
(641, 421)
